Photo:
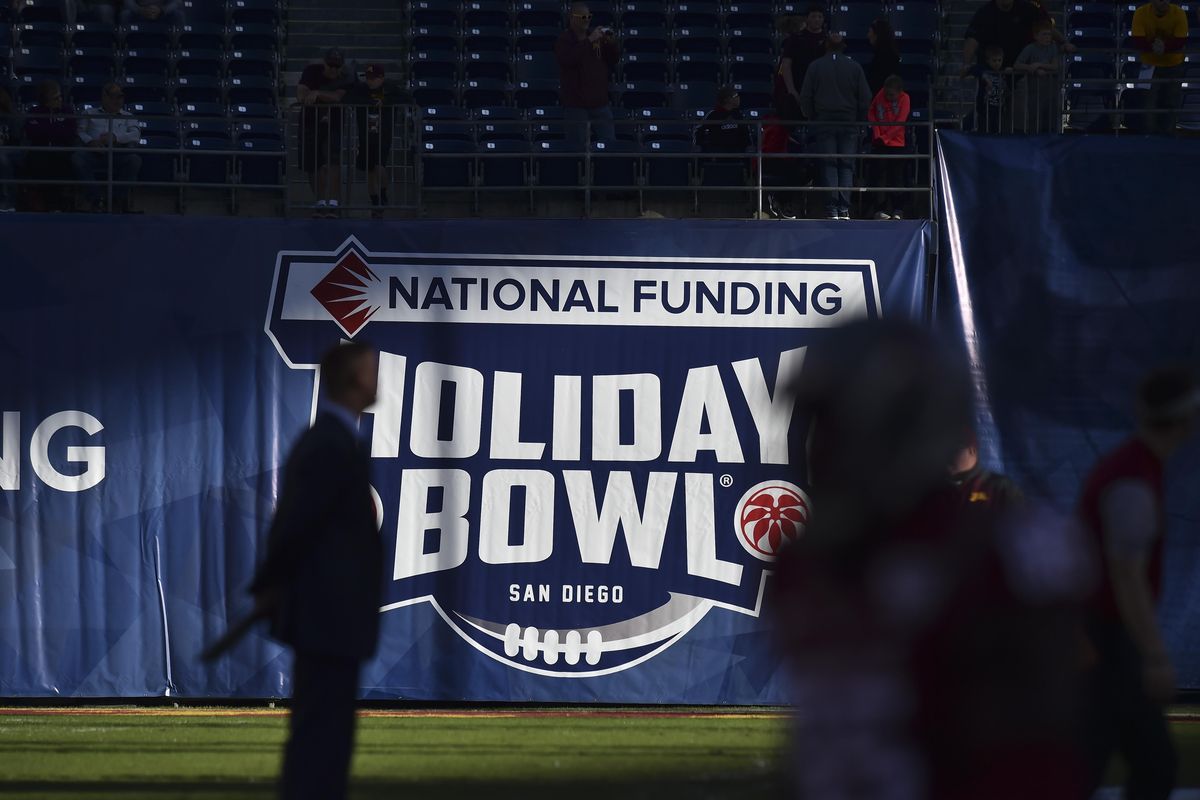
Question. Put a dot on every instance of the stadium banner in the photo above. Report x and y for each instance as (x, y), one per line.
(1068, 268)
(580, 450)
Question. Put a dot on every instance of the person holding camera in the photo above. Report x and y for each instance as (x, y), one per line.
(585, 59)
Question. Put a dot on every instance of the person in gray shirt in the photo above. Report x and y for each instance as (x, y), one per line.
(1037, 95)
(835, 91)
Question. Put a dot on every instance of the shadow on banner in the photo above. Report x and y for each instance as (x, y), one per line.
(1068, 268)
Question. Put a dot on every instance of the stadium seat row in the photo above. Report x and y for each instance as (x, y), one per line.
(94, 60)
(156, 89)
(151, 35)
(251, 12)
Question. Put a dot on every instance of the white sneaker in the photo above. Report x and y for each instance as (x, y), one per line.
(843, 215)
(6, 209)
(897, 215)
(881, 215)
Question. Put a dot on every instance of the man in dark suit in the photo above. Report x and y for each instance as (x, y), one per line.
(321, 580)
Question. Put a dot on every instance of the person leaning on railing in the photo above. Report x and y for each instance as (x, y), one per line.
(374, 104)
(50, 124)
(320, 90)
(109, 127)
(12, 126)
(1037, 103)
(1160, 31)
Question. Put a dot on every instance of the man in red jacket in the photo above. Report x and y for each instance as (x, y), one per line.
(1123, 507)
(585, 59)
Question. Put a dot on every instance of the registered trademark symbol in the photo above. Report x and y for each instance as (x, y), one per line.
(727, 480)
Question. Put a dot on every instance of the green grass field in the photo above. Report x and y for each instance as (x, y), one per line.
(231, 753)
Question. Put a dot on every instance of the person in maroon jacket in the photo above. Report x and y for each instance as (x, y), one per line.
(50, 124)
(929, 650)
(1122, 506)
(585, 59)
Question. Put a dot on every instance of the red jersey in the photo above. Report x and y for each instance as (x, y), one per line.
(1131, 461)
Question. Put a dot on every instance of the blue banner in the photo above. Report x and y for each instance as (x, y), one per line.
(1068, 266)
(580, 459)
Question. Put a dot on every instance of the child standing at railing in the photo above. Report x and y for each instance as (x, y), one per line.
(1038, 105)
(993, 106)
(891, 104)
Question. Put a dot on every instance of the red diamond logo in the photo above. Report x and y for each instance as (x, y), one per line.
(346, 293)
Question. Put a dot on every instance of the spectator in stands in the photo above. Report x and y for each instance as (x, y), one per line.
(321, 89)
(805, 43)
(993, 103)
(886, 59)
(1037, 102)
(152, 10)
(11, 129)
(724, 130)
(109, 127)
(50, 124)
(1160, 31)
(891, 104)
(375, 102)
(1123, 507)
(836, 96)
(585, 59)
(1007, 24)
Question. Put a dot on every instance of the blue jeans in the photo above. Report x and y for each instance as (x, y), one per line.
(602, 124)
(837, 172)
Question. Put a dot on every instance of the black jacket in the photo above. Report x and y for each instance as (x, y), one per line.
(324, 554)
(723, 132)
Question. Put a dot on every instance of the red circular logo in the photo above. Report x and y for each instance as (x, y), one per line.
(770, 515)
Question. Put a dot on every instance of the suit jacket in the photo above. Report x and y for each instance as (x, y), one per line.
(324, 554)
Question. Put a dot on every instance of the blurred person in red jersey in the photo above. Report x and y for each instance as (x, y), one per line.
(931, 652)
(1123, 508)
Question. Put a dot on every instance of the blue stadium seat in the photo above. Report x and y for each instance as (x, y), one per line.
(433, 12)
(437, 64)
(535, 93)
(660, 130)
(252, 111)
(697, 15)
(504, 162)
(42, 11)
(6, 56)
(448, 164)
(1189, 113)
(252, 89)
(749, 40)
(696, 94)
(198, 89)
(603, 13)
(433, 130)
(41, 34)
(616, 164)
(144, 109)
(209, 12)
(24, 89)
(253, 12)
(672, 170)
(486, 38)
(145, 61)
(443, 112)
(495, 123)
(536, 40)
(644, 94)
(46, 62)
(253, 37)
(201, 165)
(625, 123)
(644, 40)
(201, 36)
(1091, 66)
(252, 63)
(1092, 15)
(853, 19)
(431, 37)
(148, 36)
(644, 14)
(434, 91)
(645, 67)
(754, 93)
(480, 92)
(199, 62)
(1093, 38)
(488, 64)
(536, 66)
(91, 60)
(192, 126)
(540, 14)
(144, 87)
(914, 21)
(260, 170)
(698, 40)
(704, 67)
(157, 125)
(548, 128)
(751, 67)
(487, 13)
(557, 163)
(749, 16)
(94, 34)
(158, 167)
